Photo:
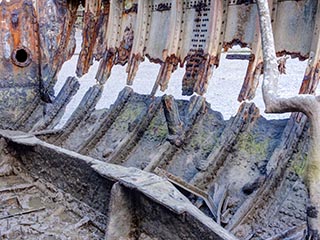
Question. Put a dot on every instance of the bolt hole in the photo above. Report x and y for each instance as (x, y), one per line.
(21, 56)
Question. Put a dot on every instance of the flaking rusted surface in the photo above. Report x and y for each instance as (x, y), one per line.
(19, 85)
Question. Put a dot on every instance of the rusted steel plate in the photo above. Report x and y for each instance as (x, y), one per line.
(241, 24)
(37, 37)
(117, 40)
(294, 27)
(192, 33)
(19, 59)
(56, 21)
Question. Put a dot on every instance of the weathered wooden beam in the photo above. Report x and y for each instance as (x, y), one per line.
(174, 122)
(84, 109)
(106, 121)
(247, 114)
(180, 131)
(54, 111)
(137, 128)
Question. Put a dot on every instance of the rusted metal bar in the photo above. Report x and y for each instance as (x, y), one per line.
(56, 22)
(102, 28)
(170, 59)
(91, 27)
(235, 56)
(139, 39)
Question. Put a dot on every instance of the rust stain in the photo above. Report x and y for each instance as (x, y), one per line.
(106, 65)
(133, 66)
(167, 68)
(234, 42)
(123, 52)
(293, 55)
(195, 64)
(251, 80)
(90, 34)
(101, 45)
(310, 80)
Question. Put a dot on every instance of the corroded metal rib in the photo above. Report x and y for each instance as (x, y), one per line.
(254, 69)
(170, 61)
(90, 31)
(274, 181)
(182, 131)
(56, 34)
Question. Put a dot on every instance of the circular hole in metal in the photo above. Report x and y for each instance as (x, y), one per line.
(21, 57)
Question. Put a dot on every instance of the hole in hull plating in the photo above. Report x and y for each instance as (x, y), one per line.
(21, 57)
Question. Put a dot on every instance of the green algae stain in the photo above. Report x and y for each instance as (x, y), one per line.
(248, 143)
(300, 166)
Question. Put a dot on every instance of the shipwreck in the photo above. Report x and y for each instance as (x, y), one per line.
(150, 167)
